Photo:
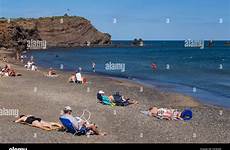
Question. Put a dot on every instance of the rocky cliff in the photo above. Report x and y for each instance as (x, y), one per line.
(61, 31)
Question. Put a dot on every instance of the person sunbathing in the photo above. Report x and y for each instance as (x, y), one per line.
(6, 68)
(51, 73)
(38, 122)
(72, 78)
(106, 100)
(8, 71)
(169, 114)
(83, 126)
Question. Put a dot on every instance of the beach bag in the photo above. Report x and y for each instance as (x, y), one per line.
(186, 114)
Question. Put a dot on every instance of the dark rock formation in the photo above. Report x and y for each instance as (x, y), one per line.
(66, 31)
(61, 31)
(13, 37)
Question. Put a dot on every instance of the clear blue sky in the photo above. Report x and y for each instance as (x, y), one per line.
(194, 19)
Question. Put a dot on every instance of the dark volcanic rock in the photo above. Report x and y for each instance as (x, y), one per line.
(66, 31)
(61, 31)
(14, 37)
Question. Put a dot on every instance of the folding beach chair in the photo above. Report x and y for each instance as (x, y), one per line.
(70, 127)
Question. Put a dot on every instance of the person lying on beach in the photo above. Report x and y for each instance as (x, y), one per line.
(168, 114)
(51, 73)
(116, 99)
(38, 122)
(84, 127)
(8, 71)
(106, 100)
(72, 78)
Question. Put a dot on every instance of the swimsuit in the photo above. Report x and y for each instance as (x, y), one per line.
(31, 119)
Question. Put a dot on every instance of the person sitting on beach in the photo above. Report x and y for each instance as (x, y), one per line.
(78, 77)
(169, 114)
(120, 100)
(72, 78)
(34, 67)
(83, 126)
(28, 65)
(38, 122)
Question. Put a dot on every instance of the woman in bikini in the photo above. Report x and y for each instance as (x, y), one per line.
(38, 122)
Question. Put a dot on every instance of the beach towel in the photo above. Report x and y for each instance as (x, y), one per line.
(46, 129)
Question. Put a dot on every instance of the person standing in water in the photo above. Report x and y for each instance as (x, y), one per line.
(93, 66)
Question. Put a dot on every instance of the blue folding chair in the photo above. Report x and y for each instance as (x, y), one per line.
(70, 127)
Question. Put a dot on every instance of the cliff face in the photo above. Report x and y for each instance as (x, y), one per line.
(63, 31)
(13, 38)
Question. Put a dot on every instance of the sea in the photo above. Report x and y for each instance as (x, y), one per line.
(172, 66)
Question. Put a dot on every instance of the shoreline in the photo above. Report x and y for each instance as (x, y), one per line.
(161, 87)
(125, 126)
(138, 82)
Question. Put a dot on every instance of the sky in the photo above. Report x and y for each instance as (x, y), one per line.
(129, 19)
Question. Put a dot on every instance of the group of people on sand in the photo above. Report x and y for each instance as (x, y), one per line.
(75, 125)
(115, 99)
(8, 71)
(161, 113)
(78, 126)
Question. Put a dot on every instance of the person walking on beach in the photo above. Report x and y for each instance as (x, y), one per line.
(93, 66)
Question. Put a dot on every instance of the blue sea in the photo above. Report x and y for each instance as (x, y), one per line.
(201, 73)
